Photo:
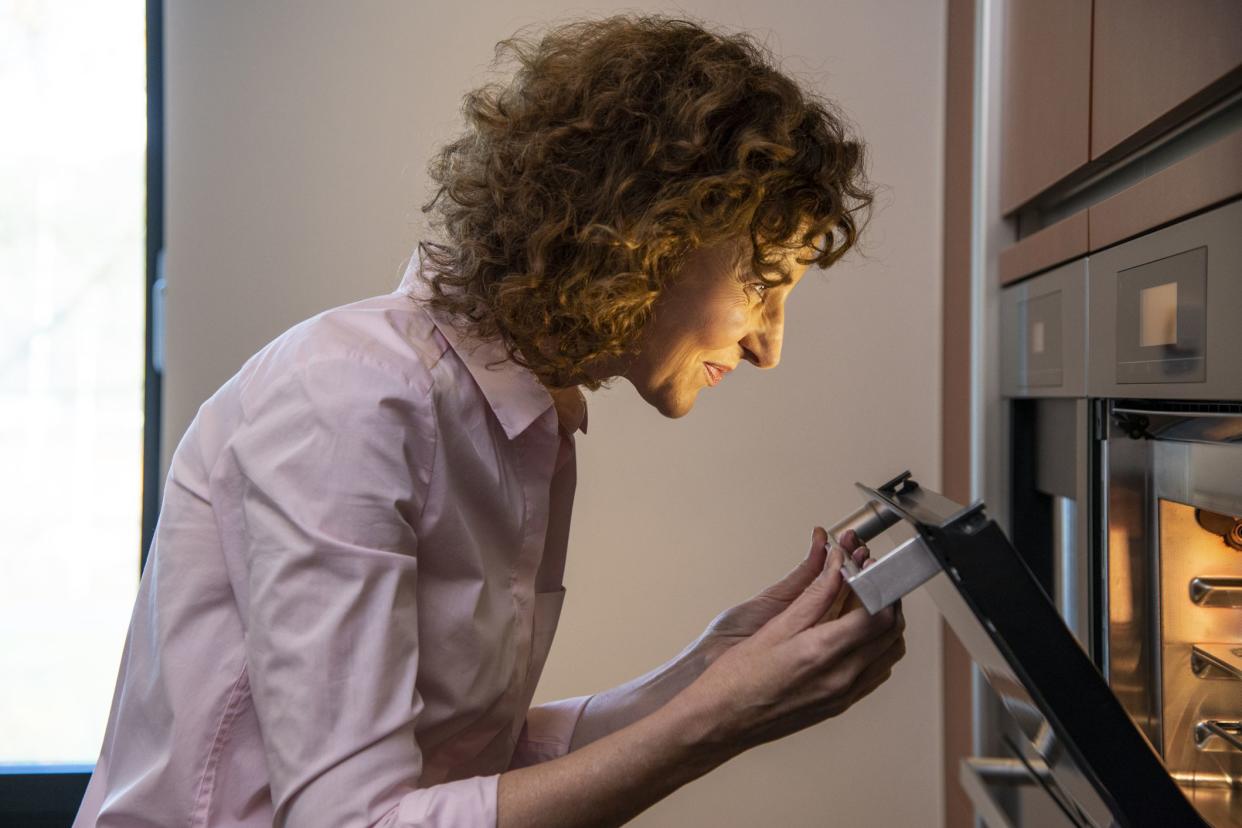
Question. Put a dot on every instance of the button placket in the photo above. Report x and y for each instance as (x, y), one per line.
(537, 449)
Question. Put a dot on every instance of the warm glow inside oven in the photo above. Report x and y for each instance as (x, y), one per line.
(1200, 560)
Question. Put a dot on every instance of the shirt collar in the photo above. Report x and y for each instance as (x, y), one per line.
(515, 395)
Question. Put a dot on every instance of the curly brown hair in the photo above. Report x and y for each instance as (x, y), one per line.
(617, 148)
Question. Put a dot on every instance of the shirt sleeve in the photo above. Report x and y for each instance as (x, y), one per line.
(548, 731)
(334, 464)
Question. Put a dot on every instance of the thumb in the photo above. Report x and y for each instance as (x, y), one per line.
(801, 576)
(815, 599)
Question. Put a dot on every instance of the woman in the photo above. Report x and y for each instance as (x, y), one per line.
(357, 571)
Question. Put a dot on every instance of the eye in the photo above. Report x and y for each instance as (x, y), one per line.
(760, 288)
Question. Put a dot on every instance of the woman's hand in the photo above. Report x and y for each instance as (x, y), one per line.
(738, 623)
(797, 669)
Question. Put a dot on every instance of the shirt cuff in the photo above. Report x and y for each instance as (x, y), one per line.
(548, 731)
(469, 801)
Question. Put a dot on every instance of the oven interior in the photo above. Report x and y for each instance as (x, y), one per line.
(1129, 514)
(1172, 645)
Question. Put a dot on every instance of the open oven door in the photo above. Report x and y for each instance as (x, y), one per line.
(1076, 757)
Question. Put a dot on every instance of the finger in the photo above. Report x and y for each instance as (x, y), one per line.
(878, 671)
(800, 577)
(851, 683)
(870, 681)
(884, 664)
(862, 688)
(849, 540)
(809, 606)
(886, 649)
(853, 629)
(838, 604)
(852, 603)
(898, 615)
(860, 555)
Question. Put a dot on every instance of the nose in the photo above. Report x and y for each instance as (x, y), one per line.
(762, 344)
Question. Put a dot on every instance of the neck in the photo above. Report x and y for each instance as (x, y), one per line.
(570, 406)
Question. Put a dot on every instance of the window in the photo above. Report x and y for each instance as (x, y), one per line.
(75, 426)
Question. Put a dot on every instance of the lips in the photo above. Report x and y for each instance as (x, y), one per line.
(715, 373)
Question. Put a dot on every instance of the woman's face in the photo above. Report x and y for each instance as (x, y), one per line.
(709, 315)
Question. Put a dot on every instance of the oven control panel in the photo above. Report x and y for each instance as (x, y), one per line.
(1162, 318)
(1164, 312)
(1044, 324)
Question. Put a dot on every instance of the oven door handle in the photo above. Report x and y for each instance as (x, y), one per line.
(977, 774)
(980, 777)
(897, 574)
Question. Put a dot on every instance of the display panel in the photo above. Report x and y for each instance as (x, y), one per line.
(1162, 320)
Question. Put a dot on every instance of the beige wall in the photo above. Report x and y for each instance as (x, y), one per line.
(297, 139)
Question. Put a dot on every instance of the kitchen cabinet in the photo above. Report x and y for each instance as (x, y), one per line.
(1155, 62)
(1211, 176)
(1046, 104)
(1090, 90)
(1059, 242)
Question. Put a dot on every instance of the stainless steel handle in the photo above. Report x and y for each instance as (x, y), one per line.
(1207, 732)
(867, 522)
(1216, 661)
(898, 573)
(1216, 592)
(976, 775)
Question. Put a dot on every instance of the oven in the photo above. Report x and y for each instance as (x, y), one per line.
(1102, 605)
(1121, 374)
(1069, 752)
(1127, 514)
(1174, 569)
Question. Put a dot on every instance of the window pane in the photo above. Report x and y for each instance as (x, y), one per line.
(72, 163)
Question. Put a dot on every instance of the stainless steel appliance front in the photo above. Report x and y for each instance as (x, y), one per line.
(1125, 487)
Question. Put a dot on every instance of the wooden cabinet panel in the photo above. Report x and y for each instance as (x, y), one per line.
(1152, 57)
(1047, 86)
(1211, 176)
(1060, 242)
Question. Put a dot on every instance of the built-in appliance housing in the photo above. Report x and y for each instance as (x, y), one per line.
(1121, 375)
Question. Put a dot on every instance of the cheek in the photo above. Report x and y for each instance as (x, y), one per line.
(727, 326)
(704, 329)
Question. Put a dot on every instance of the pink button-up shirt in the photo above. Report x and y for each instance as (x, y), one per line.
(353, 587)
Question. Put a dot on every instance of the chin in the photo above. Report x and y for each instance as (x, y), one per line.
(673, 407)
(667, 400)
(675, 413)
(670, 405)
